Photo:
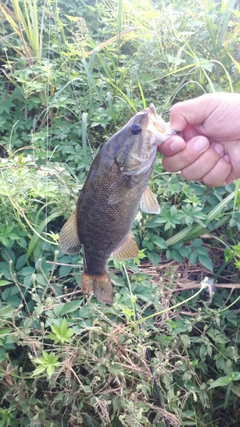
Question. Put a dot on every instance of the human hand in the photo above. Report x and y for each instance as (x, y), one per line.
(208, 147)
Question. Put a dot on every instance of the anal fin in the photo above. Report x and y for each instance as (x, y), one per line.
(127, 249)
(68, 239)
(149, 203)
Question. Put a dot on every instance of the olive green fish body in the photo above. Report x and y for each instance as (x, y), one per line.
(103, 226)
(107, 206)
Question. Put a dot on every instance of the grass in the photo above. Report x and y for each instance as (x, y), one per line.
(98, 356)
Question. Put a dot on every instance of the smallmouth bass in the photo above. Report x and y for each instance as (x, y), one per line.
(117, 183)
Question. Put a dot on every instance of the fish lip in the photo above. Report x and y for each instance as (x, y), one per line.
(152, 111)
(171, 131)
(164, 129)
(156, 119)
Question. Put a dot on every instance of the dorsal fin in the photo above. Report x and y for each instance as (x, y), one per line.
(149, 203)
(68, 239)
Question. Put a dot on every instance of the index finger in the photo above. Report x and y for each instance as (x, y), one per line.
(191, 112)
(173, 145)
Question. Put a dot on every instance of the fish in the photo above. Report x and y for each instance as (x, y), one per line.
(115, 187)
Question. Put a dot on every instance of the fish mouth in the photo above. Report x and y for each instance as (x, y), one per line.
(160, 125)
(152, 111)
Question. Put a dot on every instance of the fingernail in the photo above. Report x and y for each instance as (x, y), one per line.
(176, 146)
(201, 144)
(219, 148)
(226, 157)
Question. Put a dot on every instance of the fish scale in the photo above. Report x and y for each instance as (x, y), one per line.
(105, 222)
(117, 183)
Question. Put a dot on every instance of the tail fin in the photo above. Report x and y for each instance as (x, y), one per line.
(99, 285)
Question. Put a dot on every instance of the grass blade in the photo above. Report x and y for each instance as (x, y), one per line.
(119, 19)
(225, 21)
(84, 137)
(142, 94)
(37, 235)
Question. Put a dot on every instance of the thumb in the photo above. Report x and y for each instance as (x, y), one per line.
(192, 112)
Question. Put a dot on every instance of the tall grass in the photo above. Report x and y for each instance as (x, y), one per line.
(28, 24)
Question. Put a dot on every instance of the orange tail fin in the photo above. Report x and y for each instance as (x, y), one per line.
(99, 285)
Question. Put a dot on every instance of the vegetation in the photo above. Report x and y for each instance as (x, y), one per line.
(166, 353)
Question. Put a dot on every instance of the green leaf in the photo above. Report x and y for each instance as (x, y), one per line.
(189, 413)
(38, 370)
(206, 262)
(63, 327)
(159, 241)
(57, 310)
(196, 243)
(5, 331)
(193, 257)
(202, 251)
(69, 307)
(50, 370)
(176, 255)
(208, 65)
(185, 251)
(62, 334)
(4, 282)
(153, 257)
(6, 312)
(21, 261)
(222, 381)
(236, 376)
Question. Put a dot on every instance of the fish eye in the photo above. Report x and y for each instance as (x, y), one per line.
(135, 129)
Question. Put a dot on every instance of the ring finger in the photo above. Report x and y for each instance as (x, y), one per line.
(204, 164)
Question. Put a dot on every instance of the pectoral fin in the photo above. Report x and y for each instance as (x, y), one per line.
(68, 239)
(149, 203)
(127, 249)
(120, 192)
